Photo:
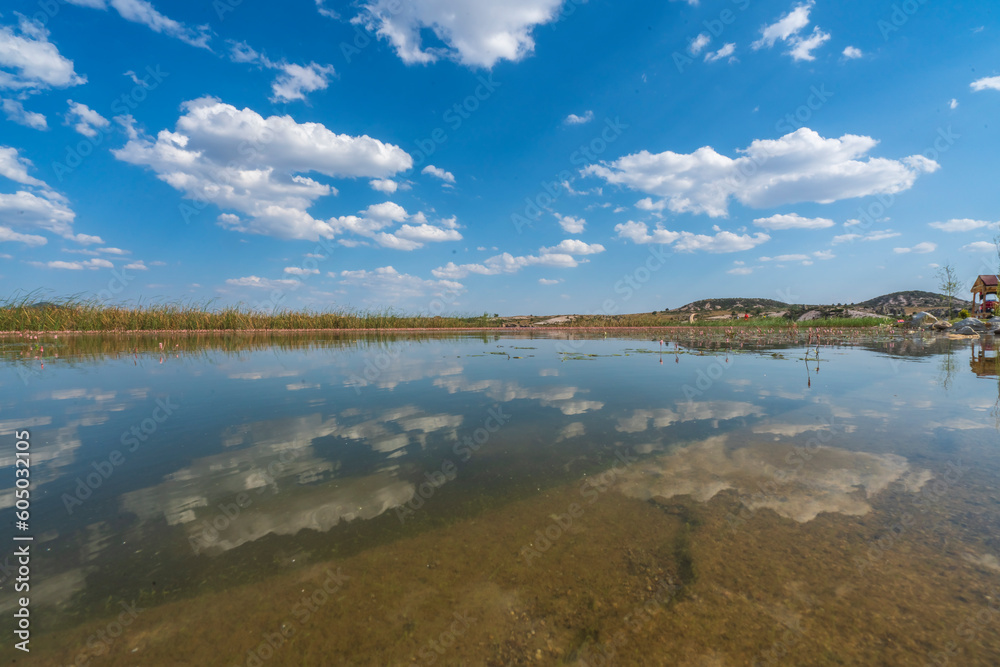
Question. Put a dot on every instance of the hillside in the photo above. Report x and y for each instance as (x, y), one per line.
(910, 301)
(726, 305)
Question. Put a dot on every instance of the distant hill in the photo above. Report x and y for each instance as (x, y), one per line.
(726, 305)
(913, 299)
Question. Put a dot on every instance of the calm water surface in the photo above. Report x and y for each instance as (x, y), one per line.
(506, 499)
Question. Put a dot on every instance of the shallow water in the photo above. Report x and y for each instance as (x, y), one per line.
(507, 499)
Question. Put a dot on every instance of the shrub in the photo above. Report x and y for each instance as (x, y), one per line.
(963, 313)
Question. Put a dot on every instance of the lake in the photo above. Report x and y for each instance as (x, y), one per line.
(523, 497)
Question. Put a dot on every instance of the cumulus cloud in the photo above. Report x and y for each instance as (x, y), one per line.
(241, 161)
(963, 225)
(263, 283)
(437, 172)
(852, 52)
(549, 281)
(726, 51)
(787, 29)
(476, 33)
(8, 235)
(92, 264)
(137, 266)
(563, 255)
(30, 62)
(979, 246)
(953, 104)
(573, 119)
(294, 81)
(920, 248)
(792, 221)
(571, 225)
(35, 206)
(798, 167)
(299, 271)
(85, 120)
(385, 185)
(720, 242)
(879, 235)
(699, 43)
(390, 284)
(986, 83)
(142, 12)
(16, 113)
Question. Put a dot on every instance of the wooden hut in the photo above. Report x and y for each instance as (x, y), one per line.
(984, 286)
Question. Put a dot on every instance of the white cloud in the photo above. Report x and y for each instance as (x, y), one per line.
(852, 222)
(785, 258)
(920, 248)
(800, 166)
(699, 43)
(389, 283)
(571, 225)
(29, 61)
(986, 83)
(742, 270)
(559, 256)
(786, 27)
(852, 52)
(437, 172)
(263, 283)
(953, 104)
(386, 185)
(721, 242)
(92, 264)
(299, 271)
(979, 246)
(87, 120)
(326, 11)
(549, 281)
(792, 221)
(575, 247)
(137, 266)
(8, 235)
(879, 235)
(963, 225)
(141, 11)
(16, 113)
(241, 161)
(476, 33)
(802, 48)
(824, 254)
(647, 204)
(726, 51)
(37, 207)
(573, 119)
(296, 81)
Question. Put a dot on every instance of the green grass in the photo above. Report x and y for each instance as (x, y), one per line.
(75, 314)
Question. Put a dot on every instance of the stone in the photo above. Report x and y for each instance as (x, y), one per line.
(940, 326)
(972, 322)
(965, 331)
(924, 319)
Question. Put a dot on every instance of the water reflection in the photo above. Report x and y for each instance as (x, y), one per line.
(306, 447)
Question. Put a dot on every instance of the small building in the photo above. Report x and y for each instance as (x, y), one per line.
(983, 287)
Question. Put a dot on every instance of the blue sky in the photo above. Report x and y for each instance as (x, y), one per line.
(462, 156)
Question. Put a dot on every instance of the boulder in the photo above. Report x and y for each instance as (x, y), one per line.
(973, 323)
(965, 331)
(942, 325)
(924, 319)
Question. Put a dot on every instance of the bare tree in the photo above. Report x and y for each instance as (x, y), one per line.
(996, 243)
(949, 284)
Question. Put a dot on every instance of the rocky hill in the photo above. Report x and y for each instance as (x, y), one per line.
(726, 305)
(910, 301)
